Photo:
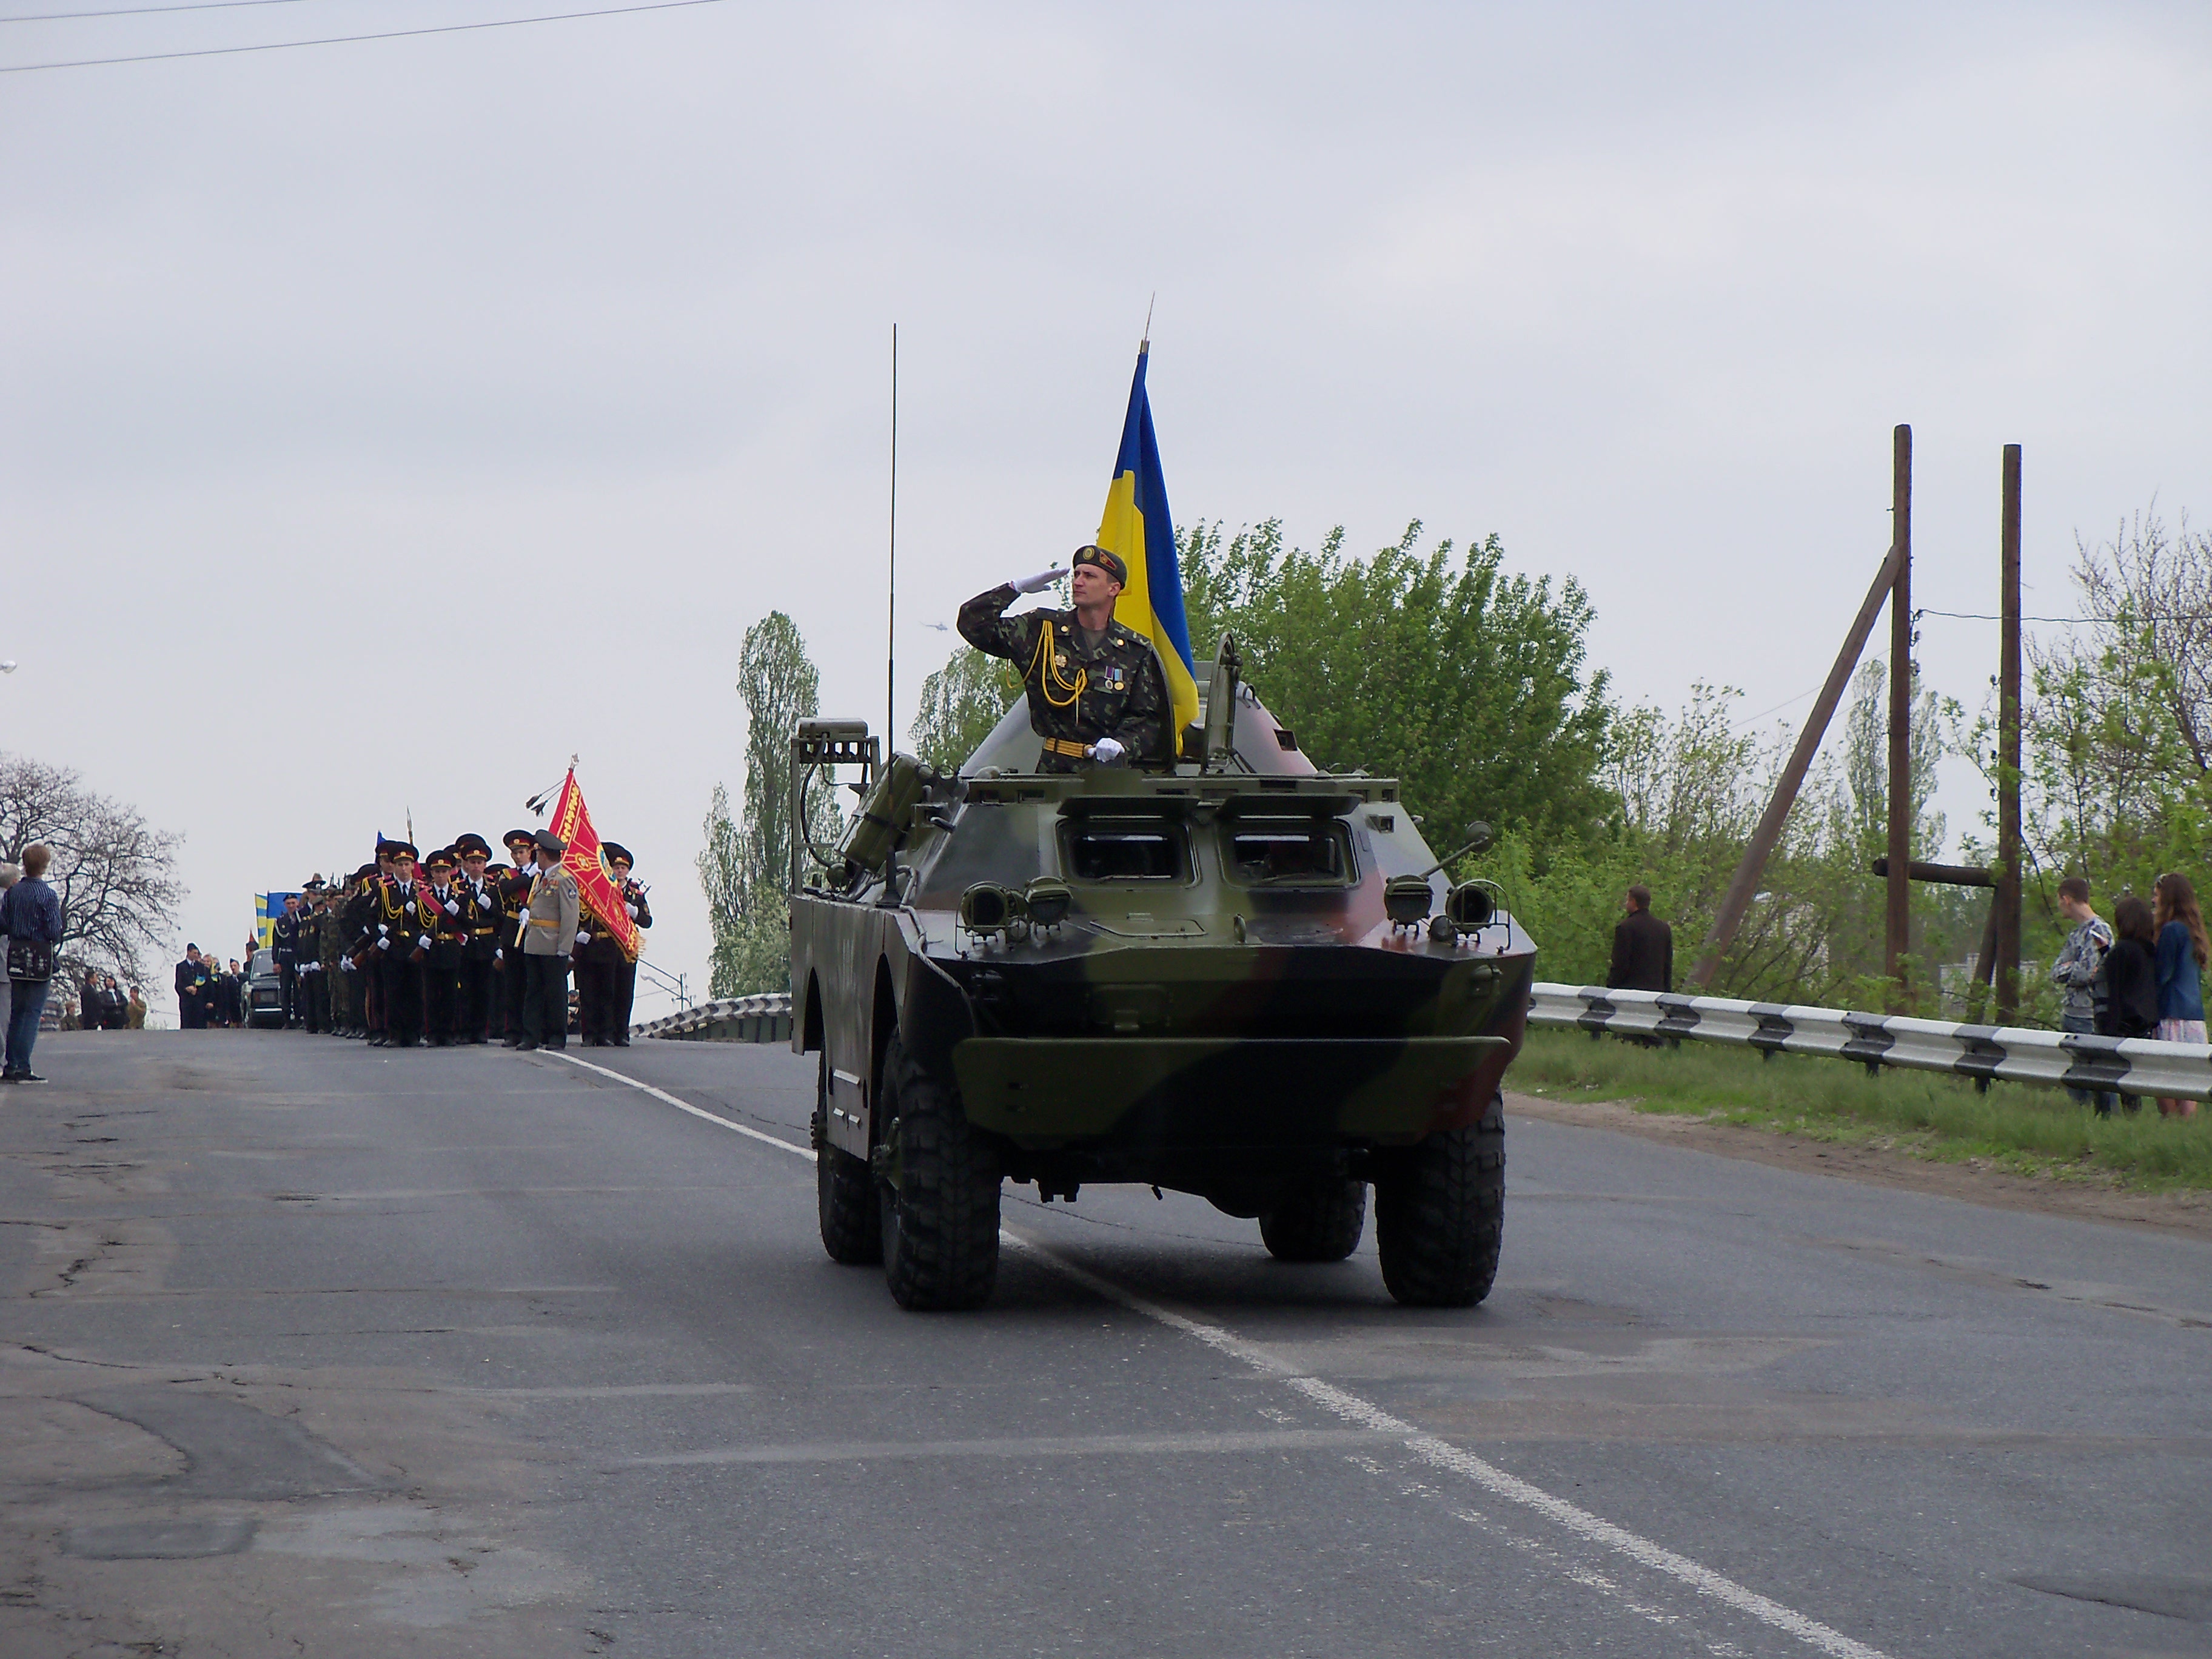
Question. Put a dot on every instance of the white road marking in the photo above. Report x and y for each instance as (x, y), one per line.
(776, 1141)
(1071, 1445)
(1363, 1413)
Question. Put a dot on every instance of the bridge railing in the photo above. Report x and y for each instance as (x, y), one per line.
(2010, 1054)
(765, 1018)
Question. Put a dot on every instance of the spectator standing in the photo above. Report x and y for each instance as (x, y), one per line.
(30, 917)
(193, 987)
(136, 1009)
(2079, 974)
(1643, 947)
(2131, 978)
(88, 1003)
(2182, 953)
(9, 875)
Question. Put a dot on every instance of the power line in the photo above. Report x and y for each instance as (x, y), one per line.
(349, 40)
(2077, 622)
(141, 11)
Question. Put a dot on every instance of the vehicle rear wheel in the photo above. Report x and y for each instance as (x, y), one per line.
(1440, 1214)
(1319, 1223)
(940, 1224)
(844, 1193)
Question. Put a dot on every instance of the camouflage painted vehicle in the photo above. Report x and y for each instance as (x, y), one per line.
(1244, 979)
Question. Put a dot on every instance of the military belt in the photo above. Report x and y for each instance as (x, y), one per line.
(481, 931)
(1063, 746)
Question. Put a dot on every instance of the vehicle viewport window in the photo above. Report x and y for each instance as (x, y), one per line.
(1101, 852)
(1312, 854)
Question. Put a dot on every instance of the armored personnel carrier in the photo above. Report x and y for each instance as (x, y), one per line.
(1242, 978)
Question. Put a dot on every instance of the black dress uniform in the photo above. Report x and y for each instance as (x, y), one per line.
(284, 946)
(353, 922)
(396, 939)
(482, 912)
(514, 899)
(625, 985)
(444, 943)
(1082, 686)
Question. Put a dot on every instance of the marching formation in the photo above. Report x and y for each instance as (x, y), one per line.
(454, 949)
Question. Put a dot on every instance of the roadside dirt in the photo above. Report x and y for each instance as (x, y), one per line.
(1974, 1180)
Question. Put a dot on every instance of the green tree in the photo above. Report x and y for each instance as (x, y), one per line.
(745, 865)
(960, 704)
(1467, 683)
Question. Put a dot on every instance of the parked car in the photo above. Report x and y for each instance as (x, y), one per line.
(265, 991)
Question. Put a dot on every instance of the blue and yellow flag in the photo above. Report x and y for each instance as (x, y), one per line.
(1138, 525)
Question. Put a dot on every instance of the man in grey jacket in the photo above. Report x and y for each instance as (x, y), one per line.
(2079, 972)
(548, 934)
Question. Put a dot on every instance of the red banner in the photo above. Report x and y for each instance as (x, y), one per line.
(572, 821)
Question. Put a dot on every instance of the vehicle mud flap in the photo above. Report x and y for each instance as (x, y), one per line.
(844, 1191)
(939, 1203)
(1440, 1214)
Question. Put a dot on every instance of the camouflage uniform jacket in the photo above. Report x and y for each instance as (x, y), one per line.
(1077, 696)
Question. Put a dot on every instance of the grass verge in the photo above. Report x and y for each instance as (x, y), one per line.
(2026, 1129)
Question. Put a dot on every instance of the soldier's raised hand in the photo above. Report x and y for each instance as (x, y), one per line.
(1038, 583)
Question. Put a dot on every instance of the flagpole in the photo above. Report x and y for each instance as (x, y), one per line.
(890, 606)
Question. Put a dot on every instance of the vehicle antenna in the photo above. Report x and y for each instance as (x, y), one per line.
(890, 604)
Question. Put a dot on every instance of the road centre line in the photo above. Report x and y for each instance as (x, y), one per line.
(1363, 1413)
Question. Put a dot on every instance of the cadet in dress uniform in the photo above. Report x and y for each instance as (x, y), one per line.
(482, 914)
(396, 942)
(307, 957)
(285, 944)
(330, 952)
(442, 944)
(353, 922)
(514, 899)
(595, 957)
(1097, 693)
(625, 971)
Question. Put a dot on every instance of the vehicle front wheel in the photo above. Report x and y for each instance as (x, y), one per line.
(1319, 1223)
(940, 1222)
(1440, 1214)
(844, 1192)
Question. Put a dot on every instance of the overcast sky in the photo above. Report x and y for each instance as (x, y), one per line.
(385, 423)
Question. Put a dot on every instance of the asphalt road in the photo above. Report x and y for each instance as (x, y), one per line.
(315, 1349)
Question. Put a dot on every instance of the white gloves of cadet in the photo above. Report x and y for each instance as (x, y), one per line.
(1038, 583)
(632, 908)
(583, 938)
(383, 944)
(453, 906)
(1107, 751)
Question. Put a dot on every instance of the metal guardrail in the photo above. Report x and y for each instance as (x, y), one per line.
(765, 1018)
(2011, 1053)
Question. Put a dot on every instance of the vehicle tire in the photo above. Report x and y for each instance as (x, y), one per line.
(844, 1192)
(1319, 1223)
(1440, 1214)
(940, 1226)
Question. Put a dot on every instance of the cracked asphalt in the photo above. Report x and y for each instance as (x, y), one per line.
(312, 1349)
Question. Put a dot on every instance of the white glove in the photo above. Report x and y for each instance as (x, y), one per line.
(1106, 750)
(383, 927)
(1038, 583)
(583, 938)
(498, 955)
(453, 906)
(632, 908)
(346, 962)
(411, 907)
(384, 944)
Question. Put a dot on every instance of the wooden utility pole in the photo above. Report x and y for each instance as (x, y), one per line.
(2008, 688)
(1899, 931)
(1753, 865)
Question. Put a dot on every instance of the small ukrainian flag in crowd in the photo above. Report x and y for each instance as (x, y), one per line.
(1138, 525)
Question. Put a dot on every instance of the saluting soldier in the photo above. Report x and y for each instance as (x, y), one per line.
(624, 992)
(514, 899)
(443, 942)
(395, 942)
(1097, 694)
(482, 912)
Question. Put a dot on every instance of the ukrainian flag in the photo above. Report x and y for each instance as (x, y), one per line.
(1138, 525)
